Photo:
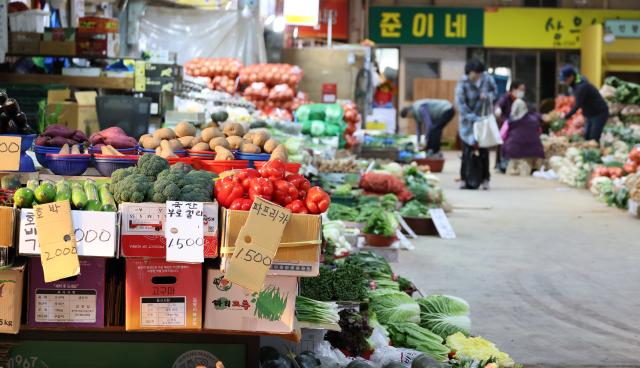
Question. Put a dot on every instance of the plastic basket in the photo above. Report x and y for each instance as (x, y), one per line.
(127, 112)
(179, 153)
(125, 151)
(222, 166)
(106, 165)
(68, 166)
(292, 167)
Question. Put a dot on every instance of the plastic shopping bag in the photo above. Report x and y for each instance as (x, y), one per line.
(486, 132)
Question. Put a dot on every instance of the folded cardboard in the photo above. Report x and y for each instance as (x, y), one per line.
(24, 43)
(72, 302)
(142, 230)
(79, 113)
(58, 48)
(7, 220)
(232, 308)
(162, 295)
(11, 279)
(299, 251)
(96, 233)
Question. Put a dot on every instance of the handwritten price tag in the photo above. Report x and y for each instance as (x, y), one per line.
(10, 153)
(58, 252)
(184, 231)
(257, 244)
(442, 224)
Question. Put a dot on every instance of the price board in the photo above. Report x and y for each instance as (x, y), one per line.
(184, 231)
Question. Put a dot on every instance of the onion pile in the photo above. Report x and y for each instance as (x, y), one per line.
(272, 74)
(256, 92)
(222, 83)
(281, 93)
(352, 118)
(213, 67)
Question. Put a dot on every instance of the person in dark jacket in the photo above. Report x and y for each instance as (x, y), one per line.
(523, 146)
(588, 98)
(431, 116)
(502, 112)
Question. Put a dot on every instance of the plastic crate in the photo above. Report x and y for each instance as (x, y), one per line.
(127, 112)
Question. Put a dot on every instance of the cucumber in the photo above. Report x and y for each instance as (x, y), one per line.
(108, 203)
(63, 191)
(32, 184)
(78, 196)
(91, 190)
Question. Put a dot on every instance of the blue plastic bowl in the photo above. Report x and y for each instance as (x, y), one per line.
(253, 156)
(125, 151)
(68, 166)
(106, 166)
(42, 151)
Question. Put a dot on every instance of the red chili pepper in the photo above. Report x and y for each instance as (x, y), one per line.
(297, 206)
(241, 204)
(261, 187)
(317, 200)
(273, 170)
(301, 183)
(284, 192)
(227, 189)
(244, 177)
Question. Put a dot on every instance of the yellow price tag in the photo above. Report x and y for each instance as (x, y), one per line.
(57, 240)
(257, 244)
(10, 153)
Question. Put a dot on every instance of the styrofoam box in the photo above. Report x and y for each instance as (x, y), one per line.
(29, 21)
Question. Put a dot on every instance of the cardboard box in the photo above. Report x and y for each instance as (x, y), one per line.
(72, 302)
(75, 114)
(97, 45)
(162, 295)
(58, 48)
(7, 220)
(299, 252)
(11, 279)
(24, 43)
(96, 233)
(153, 70)
(98, 25)
(232, 308)
(142, 230)
(59, 34)
(160, 84)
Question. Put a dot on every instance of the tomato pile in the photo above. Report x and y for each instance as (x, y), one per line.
(273, 183)
(213, 67)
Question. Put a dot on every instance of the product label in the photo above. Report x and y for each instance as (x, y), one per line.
(66, 305)
(58, 252)
(10, 153)
(158, 312)
(441, 223)
(184, 232)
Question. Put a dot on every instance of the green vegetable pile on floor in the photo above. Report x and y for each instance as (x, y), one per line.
(341, 212)
(346, 282)
(412, 336)
(415, 208)
(314, 311)
(445, 315)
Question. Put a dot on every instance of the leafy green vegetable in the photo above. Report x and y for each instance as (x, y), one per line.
(314, 311)
(380, 223)
(477, 348)
(355, 331)
(415, 208)
(389, 201)
(394, 306)
(345, 283)
(410, 335)
(319, 287)
(341, 212)
(343, 190)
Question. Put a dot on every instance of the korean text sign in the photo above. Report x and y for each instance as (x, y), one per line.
(426, 25)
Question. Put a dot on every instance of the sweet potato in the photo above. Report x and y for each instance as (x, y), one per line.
(121, 141)
(234, 142)
(223, 154)
(65, 150)
(57, 130)
(59, 141)
(79, 136)
(42, 140)
(113, 132)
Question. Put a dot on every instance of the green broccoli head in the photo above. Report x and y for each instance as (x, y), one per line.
(151, 165)
(171, 176)
(203, 179)
(165, 190)
(120, 174)
(196, 193)
(133, 188)
(181, 167)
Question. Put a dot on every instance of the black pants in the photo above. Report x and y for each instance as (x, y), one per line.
(594, 126)
(483, 153)
(434, 137)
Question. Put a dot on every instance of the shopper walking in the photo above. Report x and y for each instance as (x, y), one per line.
(522, 145)
(475, 93)
(502, 112)
(431, 116)
(588, 98)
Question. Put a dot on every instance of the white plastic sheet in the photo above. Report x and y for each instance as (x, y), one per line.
(202, 33)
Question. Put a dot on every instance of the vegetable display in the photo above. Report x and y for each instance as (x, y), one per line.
(314, 311)
(444, 315)
(381, 223)
(394, 306)
(12, 120)
(346, 282)
(213, 67)
(385, 183)
(411, 335)
(58, 135)
(272, 183)
(354, 332)
(114, 136)
(477, 348)
(83, 195)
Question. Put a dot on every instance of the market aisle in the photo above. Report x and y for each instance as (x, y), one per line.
(551, 274)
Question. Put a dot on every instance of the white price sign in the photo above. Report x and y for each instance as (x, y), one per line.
(184, 231)
(442, 224)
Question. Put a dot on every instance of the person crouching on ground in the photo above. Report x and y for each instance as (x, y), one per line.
(431, 116)
(522, 145)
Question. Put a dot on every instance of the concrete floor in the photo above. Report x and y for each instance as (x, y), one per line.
(552, 275)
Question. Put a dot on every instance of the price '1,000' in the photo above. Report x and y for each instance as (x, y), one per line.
(251, 255)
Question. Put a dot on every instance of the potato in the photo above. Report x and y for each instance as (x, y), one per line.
(164, 133)
(75, 150)
(195, 140)
(234, 142)
(260, 138)
(223, 154)
(184, 129)
(175, 145)
(248, 147)
(279, 153)
(248, 136)
(231, 129)
(144, 136)
(64, 150)
(270, 145)
(158, 150)
(210, 133)
(202, 146)
(109, 150)
(166, 149)
(219, 141)
(186, 141)
(150, 142)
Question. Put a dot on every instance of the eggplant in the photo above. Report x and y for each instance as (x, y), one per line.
(4, 123)
(3, 97)
(11, 107)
